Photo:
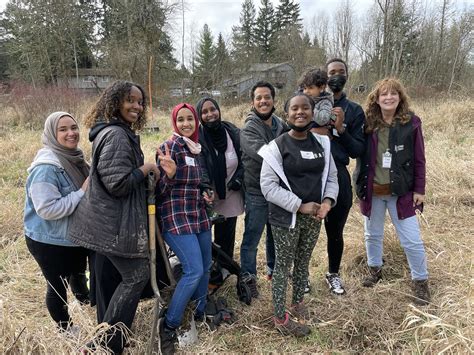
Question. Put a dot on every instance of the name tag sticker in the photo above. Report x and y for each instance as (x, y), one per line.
(387, 160)
(190, 161)
(306, 155)
(399, 148)
(231, 155)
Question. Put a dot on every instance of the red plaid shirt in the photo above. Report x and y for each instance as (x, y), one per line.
(180, 205)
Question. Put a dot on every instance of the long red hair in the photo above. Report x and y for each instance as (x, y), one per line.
(373, 113)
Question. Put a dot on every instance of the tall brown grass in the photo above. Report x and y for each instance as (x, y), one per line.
(364, 320)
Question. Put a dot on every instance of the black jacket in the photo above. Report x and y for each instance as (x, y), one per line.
(111, 218)
(351, 142)
(252, 137)
(205, 157)
(401, 143)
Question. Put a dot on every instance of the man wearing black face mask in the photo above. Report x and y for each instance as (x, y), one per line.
(347, 141)
(261, 126)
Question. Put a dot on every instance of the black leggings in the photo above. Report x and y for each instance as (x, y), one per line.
(59, 264)
(224, 236)
(336, 219)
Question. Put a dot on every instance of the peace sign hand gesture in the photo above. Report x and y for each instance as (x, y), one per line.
(166, 162)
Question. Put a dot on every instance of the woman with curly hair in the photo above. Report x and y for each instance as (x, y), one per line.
(392, 178)
(112, 218)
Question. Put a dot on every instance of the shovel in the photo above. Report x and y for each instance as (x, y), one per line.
(151, 198)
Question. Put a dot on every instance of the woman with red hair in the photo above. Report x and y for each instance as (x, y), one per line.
(393, 177)
(184, 222)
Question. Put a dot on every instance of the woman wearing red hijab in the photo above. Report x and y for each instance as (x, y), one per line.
(184, 222)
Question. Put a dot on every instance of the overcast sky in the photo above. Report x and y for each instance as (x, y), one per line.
(221, 15)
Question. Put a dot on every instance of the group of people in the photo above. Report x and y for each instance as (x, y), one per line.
(288, 175)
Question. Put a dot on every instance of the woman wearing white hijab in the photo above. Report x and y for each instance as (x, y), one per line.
(57, 180)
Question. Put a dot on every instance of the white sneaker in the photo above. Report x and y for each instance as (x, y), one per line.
(72, 332)
(307, 288)
(335, 283)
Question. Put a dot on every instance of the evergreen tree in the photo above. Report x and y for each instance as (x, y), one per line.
(243, 39)
(290, 45)
(288, 16)
(47, 39)
(265, 31)
(205, 57)
(132, 32)
(222, 63)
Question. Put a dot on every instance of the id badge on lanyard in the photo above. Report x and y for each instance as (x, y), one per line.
(387, 159)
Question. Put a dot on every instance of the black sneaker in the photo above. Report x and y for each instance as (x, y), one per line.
(251, 281)
(168, 338)
(335, 283)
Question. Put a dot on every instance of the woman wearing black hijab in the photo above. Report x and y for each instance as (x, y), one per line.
(222, 170)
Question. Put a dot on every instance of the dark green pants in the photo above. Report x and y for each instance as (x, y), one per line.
(293, 246)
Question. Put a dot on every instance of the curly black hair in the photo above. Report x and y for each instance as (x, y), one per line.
(287, 102)
(313, 76)
(107, 107)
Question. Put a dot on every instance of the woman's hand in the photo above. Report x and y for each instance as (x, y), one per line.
(85, 184)
(323, 211)
(166, 162)
(310, 208)
(418, 199)
(208, 196)
(148, 167)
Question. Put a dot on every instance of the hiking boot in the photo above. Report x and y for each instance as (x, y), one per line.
(290, 327)
(374, 276)
(251, 281)
(168, 338)
(335, 283)
(421, 292)
(307, 288)
(301, 312)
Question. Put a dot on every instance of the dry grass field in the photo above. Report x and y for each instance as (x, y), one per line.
(378, 320)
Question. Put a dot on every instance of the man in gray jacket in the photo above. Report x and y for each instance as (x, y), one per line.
(261, 127)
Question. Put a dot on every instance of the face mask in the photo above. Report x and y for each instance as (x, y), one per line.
(336, 82)
(266, 116)
(214, 125)
(300, 129)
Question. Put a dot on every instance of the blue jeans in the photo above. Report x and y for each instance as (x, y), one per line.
(408, 231)
(195, 253)
(256, 218)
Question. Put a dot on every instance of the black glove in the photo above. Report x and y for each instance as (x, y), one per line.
(234, 184)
